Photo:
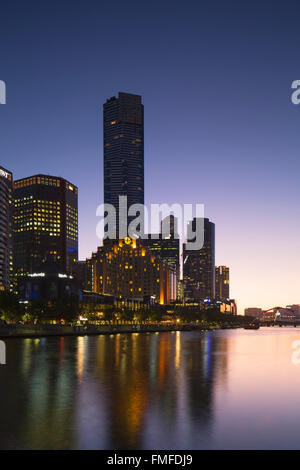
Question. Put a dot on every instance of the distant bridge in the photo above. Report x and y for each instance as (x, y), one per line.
(279, 316)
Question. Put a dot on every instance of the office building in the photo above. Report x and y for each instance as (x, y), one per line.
(199, 264)
(253, 312)
(180, 290)
(123, 132)
(166, 248)
(222, 282)
(48, 283)
(6, 241)
(80, 273)
(45, 223)
(295, 309)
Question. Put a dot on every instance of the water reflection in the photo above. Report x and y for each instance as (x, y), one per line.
(168, 390)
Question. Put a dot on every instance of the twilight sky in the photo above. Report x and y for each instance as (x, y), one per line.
(220, 128)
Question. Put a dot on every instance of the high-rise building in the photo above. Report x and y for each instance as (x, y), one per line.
(79, 272)
(126, 269)
(180, 290)
(166, 247)
(123, 132)
(45, 223)
(199, 264)
(222, 282)
(6, 212)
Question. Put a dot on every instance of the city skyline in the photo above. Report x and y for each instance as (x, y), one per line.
(89, 251)
(208, 116)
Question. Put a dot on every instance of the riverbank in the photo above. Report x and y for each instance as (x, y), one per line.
(36, 331)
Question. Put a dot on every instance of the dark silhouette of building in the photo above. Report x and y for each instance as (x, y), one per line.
(80, 273)
(199, 265)
(165, 247)
(93, 298)
(45, 223)
(253, 312)
(222, 282)
(6, 213)
(49, 283)
(123, 132)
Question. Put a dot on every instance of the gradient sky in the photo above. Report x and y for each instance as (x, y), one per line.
(220, 128)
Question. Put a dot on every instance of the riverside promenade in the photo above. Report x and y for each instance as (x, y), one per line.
(36, 331)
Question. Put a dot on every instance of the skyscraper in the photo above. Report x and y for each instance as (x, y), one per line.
(123, 132)
(199, 265)
(222, 282)
(168, 248)
(6, 210)
(45, 223)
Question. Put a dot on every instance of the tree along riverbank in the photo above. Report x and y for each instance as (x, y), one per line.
(36, 331)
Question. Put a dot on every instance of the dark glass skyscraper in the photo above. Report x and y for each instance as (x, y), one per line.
(6, 208)
(123, 132)
(45, 223)
(199, 265)
(167, 248)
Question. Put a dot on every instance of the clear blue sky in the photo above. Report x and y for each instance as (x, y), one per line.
(220, 128)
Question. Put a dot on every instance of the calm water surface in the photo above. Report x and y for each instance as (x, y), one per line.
(233, 389)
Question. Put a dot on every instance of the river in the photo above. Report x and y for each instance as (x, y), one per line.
(226, 389)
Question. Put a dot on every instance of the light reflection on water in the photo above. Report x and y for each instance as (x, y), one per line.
(218, 390)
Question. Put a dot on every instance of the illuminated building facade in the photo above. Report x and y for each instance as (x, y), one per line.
(126, 269)
(199, 265)
(45, 223)
(6, 241)
(228, 306)
(90, 269)
(123, 132)
(180, 290)
(222, 282)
